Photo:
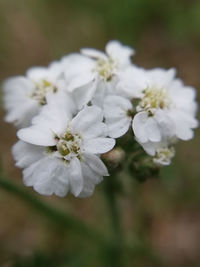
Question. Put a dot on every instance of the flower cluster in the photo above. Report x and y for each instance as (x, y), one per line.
(72, 111)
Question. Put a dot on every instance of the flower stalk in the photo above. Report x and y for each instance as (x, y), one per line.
(111, 192)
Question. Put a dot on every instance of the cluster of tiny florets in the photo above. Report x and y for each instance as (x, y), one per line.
(70, 113)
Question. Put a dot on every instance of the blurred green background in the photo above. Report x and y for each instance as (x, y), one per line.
(164, 214)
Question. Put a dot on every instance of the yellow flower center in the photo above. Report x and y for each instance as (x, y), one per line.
(41, 88)
(69, 145)
(106, 68)
(154, 99)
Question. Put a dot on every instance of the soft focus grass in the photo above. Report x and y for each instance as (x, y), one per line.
(162, 213)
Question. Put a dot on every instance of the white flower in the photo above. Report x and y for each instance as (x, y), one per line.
(161, 152)
(164, 155)
(91, 74)
(166, 110)
(24, 95)
(60, 155)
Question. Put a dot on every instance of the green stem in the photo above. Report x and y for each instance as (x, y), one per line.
(56, 215)
(112, 248)
(115, 253)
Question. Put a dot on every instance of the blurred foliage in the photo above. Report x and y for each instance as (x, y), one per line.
(127, 19)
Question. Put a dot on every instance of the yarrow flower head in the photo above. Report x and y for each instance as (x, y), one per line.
(74, 109)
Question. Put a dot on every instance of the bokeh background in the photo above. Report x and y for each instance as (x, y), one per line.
(163, 213)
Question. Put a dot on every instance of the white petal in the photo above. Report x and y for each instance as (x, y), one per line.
(78, 70)
(90, 175)
(36, 136)
(50, 73)
(26, 154)
(47, 176)
(119, 52)
(161, 78)
(86, 118)
(150, 147)
(96, 130)
(152, 130)
(91, 178)
(184, 123)
(116, 106)
(166, 124)
(18, 85)
(76, 177)
(77, 64)
(102, 88)
(37, 73)
(184, 97)
(118, 128)
(55, 70)
(132, 82)
(79, 80)
(146, 128)
(53, 119)
(95, 163)
(21, 115)
(61, 184)
(17, 101)
(98, 145)
(116, 118)
(61, 100)
(138, 126)
(83, 95)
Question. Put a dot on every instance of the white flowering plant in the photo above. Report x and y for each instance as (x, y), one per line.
(87, 104)
(94, 114)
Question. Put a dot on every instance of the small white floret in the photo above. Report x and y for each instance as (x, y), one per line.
(68, 151)
(25, 95)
